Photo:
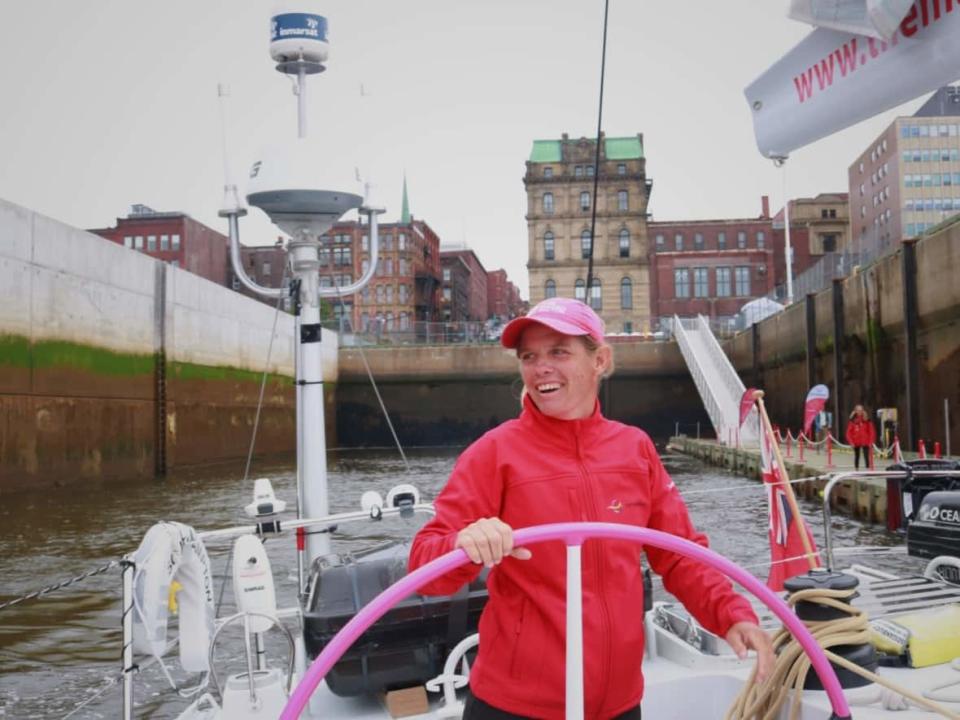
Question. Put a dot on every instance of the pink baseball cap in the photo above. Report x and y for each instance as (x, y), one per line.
(566, 316)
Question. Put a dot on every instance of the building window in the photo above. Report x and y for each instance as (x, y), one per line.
(402, 292)
(701, 285)
(389, 293)
(761, 240)
(578, 171)
(585, 244)
(589, 169)
(548, 203)
(128, 241)
(622, 203)
(596, 297)
(446, 274)
(723, 282)
(151, 243)
(829, 243)
(404, 321)
(743, 281)
(365, 243)
(235, 282)
(579, 290)
(626, 294)
(388, 267)
(584, 200)
(548, 246)
(681, 283)
(164, 242)
(138, 242)
(342, 256)
(678, 241)
(721, 241)
(401, 241)
(549, 289)
(174, 242)
(698, 241)
(265, 269)
(447, 294)
(624, 243)
(548, 172)
(660, 242)
(741, 239)
(621, 169)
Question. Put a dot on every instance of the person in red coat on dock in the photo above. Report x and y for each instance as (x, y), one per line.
(861, 434)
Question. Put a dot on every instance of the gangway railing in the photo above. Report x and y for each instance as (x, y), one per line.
(720, 388)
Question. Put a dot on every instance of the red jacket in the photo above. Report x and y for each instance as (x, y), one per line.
(536, 470)
(860, 432)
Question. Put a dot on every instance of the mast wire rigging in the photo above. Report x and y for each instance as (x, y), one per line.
(596, 162)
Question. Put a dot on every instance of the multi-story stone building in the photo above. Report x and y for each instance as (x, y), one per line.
(709, 267)
(818, 226)
(908, 179)
(173, 237)
(559, 181)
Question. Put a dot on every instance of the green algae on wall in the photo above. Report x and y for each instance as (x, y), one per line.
(18, 351)
(192, 371)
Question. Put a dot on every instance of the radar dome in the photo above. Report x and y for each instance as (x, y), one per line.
(298, 36)
(299, 190)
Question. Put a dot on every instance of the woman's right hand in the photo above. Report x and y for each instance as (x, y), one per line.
(488, 541)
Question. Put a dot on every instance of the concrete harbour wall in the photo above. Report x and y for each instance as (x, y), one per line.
(113, 364)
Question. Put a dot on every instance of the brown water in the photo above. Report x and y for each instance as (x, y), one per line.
(60, 650)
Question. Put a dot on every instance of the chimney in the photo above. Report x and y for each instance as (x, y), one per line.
(765, 206)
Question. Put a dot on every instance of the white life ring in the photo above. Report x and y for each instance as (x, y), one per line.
(173, 551)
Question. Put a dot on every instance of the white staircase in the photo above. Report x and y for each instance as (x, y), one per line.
(718, 383)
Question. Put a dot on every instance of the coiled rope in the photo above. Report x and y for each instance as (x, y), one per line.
(765, 700)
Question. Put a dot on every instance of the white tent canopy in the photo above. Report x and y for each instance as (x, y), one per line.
(756, 310)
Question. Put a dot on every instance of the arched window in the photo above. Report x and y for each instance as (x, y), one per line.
(626, 294)
(580, 290)
(548, 245)
(596, 297)
(585, 244)
(624, 243)
(548, 203)
(549, 289)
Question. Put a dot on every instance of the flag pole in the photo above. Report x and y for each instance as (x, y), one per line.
(785, 480)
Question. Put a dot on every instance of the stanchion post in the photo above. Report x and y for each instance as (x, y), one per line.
(921, 450)
(936, 449)
(800, 444)
(787, 453)
(829, 450)
(870, 456)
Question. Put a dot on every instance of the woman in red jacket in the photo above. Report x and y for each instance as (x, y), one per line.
(861, 434)
(562, 461)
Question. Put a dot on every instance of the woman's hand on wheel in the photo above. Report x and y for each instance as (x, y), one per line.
(488, 541)
(747, 635)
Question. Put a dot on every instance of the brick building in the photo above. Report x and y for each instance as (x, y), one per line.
(455, 288)
(503, 297)
(477, 288)
(559, 183)
(710, 267)
(175, 238)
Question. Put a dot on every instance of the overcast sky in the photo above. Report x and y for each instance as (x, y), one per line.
(106, 103)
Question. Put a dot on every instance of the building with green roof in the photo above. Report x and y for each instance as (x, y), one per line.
(559, 180)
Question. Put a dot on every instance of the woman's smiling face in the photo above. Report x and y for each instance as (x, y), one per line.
(559, 372)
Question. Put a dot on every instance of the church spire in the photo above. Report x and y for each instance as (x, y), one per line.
(405, 211)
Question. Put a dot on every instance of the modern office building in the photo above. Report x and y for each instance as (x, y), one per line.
(908, 179)
(559, 182)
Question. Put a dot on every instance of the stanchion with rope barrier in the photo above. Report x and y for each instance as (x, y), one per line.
(573, 535)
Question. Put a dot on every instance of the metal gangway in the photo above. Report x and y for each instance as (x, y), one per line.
(719, 385)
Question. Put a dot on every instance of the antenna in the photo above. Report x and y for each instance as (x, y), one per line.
(231, 198)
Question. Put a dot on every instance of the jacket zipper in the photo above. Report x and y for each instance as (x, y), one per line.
(594, 513)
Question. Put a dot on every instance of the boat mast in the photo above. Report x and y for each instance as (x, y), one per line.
(282, 185)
